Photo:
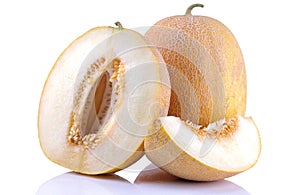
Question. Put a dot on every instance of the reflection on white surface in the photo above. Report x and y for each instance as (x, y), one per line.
(150, 181)
(154, 180)
(77, 184)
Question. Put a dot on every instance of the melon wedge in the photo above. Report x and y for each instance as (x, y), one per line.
(99, 99)
(220, 150)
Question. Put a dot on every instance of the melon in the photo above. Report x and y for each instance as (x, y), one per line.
(206, 67)
(99, 99)
(206, 136)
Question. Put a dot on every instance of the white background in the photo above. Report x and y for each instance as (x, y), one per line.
(33, 34)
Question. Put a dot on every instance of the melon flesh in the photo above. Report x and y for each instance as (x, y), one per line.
(99, 99)
(203, 154)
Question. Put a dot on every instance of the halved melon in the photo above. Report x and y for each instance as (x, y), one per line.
(99, 99)
(222, 149)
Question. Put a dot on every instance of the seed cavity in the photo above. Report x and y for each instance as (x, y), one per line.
(221, 128)
(95, 99)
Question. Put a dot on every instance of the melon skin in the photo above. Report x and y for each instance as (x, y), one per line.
(206, 68)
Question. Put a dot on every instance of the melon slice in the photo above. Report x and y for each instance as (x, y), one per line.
(99, 99)
(222, 149)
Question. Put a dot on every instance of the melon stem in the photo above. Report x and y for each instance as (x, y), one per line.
(118, 24)
(190, 8)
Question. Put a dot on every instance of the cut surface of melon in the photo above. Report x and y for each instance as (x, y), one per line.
(99, 99)
(222, 149)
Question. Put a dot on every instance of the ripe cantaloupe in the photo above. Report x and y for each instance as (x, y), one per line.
(211, 140)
